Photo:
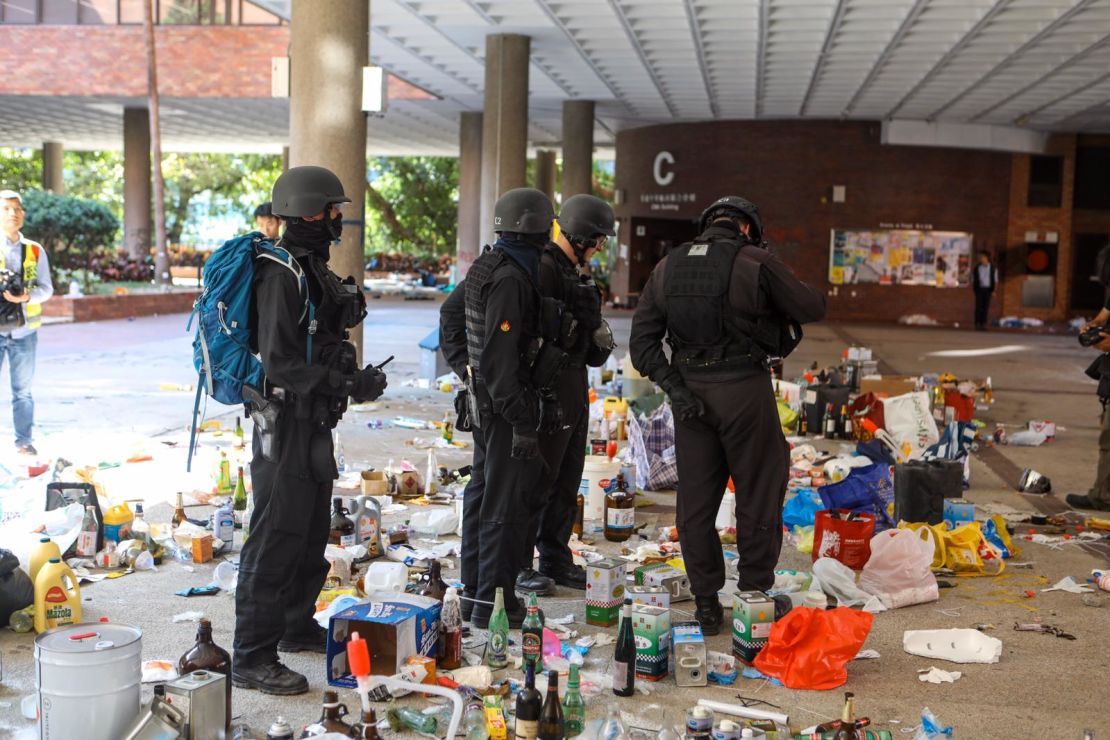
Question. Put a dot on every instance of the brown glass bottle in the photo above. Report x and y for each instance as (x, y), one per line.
(367, 727)
(206, 655)
(178, 511)
(620, 511)
(342, 526)
(331, 718)
(579, 514)
(434, 585)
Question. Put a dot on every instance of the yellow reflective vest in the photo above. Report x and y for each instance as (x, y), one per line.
(32, 312)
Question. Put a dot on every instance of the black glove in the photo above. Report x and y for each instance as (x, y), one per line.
(551, 413)
(685, 404)
(369, 384)
(462, 411)
(587, 306)
(526, 444)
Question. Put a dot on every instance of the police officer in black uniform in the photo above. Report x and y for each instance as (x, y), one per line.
(728, 308)
(311, 371)
(507, 364)
(585, 222)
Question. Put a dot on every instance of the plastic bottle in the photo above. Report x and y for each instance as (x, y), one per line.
(474, 722)
(368, 524)
(613, 728)
(531, 635)
(86, 539)
(224, 524)
(206, 655)
(574, 706)
(22, 620)
(498, 645)
(624, 655)
(340, 458)
(1101, 578)
(620, 511)
(401, 718)
(44, 551)
(57, 596)
(450, 631)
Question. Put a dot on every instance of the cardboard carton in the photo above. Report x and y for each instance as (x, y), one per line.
(394, 625)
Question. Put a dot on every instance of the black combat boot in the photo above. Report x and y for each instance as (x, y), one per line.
(571, 576)
(709, 613)
(269, 678)
(531, 581)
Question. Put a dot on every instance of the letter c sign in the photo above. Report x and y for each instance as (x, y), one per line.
(662, 178)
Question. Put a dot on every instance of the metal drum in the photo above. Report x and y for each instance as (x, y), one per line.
(88, 678)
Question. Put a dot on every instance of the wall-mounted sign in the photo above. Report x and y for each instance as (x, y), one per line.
(663, 159)
(667, 201)
(900, 257)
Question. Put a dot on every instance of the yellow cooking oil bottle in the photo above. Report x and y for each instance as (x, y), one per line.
(57, 596)
(40, 556)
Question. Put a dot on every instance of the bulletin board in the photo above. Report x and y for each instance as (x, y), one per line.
(900, 257)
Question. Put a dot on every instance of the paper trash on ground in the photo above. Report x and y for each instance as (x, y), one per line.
(936, 675)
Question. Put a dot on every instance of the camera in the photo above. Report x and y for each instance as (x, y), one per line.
(11, 282)
(1092, 335)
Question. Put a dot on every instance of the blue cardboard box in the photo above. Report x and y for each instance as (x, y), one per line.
(958, 512)
(394, 625)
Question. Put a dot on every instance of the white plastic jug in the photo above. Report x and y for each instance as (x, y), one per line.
(386, 577)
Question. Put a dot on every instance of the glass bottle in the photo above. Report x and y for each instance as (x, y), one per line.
(620, 511)
(434, 585)
(206, 655)
(528, 707)
(845, 423)
(86, 539)
(551, 717)
(340, 457)
(342, 526)
(497, 647)
(579, 514)
(830, 422)
(803, 424)
(450, 631)
(448, 428)
(624, 656)
(474, 722)
(366, 727)
(531, 635)
(140, 529)
(223, 479)
(239, 500)
(179, 510)
(574, 706)
(613, 728)
(332, 714)
(401, 718)
(239, 441)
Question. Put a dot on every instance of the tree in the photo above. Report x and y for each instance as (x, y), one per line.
(232, 183)
(412, 204)
(71, 229)
(20, 169)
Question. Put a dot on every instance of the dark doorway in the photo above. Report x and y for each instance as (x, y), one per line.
(1087, 294)
(652, 238)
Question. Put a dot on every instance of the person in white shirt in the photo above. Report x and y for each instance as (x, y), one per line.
(27, 286)
(984, 278)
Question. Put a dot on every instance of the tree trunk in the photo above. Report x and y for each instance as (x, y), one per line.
(385, 209)
(180, 212)
(161, 256)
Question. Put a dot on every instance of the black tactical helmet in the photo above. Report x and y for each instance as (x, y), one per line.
(523, 211)
(306, 191)
(585, 216)
(733, 205)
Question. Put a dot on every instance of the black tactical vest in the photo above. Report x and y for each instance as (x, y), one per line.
(476, 279)
(696, 283)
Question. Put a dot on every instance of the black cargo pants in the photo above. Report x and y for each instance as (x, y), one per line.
(739, 435)
(564, 452)
(282, 566)
(472, 513)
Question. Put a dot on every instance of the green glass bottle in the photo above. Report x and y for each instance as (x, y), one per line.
(497, 649)
(574, 706)
(239, 501)
(531, 635)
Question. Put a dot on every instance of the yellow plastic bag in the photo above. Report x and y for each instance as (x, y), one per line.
(803, 536)
(788, 417)
(961, 551)
(933, 533)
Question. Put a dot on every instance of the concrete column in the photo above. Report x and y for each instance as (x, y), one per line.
(505, 124)
(284, 158)
(546, 172)
(578, 147)
(136, 182)
(52, 167)
(329, 46)
(470, 191)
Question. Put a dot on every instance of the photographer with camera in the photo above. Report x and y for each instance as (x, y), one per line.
(26, 284)
(1097, 334)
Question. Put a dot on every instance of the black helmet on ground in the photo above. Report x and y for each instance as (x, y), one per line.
(733, 206)
(302, 192)
(523, 211)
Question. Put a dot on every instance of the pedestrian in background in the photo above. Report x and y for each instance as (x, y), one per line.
(266, 222)
(984, 278)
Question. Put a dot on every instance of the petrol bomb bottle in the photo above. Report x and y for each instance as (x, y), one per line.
(574, 706)
(579, 514)
(620, 511)
(531, 635)
(497, 647)
(434, 585)
(206, 655)
(239, 500)
(239, 439)
(624, 656)
(367, 726)
(86, 538)
(342, 526)
(223, 476)
(331, 718)
(450, 631)
(179, 517)
(551, 716)
(528, 707)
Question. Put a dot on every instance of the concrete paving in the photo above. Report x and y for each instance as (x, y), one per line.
(102, 381)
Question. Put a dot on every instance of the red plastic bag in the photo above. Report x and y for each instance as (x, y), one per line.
(811, 648)
(866, 406)
(848, 540)
(964, 405)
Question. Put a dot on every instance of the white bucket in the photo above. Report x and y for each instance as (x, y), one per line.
(596, 469)
(88, 680)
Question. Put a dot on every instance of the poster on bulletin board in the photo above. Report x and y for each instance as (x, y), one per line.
(900, 257)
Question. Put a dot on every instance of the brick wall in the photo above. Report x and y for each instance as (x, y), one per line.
(788, 169)
(104, 307)
(193, 61)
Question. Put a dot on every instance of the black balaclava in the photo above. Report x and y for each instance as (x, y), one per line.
(314, 236)
(524, 249)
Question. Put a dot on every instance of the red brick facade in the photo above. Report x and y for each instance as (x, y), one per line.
(789, 169)
(104, 307)
(193, 61)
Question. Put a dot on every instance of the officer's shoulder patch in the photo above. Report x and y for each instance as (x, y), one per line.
(506, 326)
(699, 250)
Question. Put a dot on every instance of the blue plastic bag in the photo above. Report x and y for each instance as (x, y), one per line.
(868, 489)
(801, 511)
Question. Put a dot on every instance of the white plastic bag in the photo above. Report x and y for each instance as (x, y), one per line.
(910, 422)
(839, 581)
(899, 569)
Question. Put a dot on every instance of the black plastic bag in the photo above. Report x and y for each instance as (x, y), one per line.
(920, 487)
(16, 589)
